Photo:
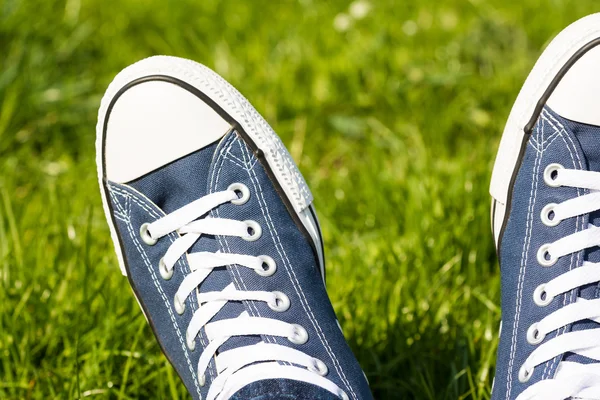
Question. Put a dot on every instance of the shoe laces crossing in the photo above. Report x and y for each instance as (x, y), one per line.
(572, 379)
(243, 365)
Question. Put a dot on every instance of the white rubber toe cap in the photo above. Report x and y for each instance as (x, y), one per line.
(154, 123)
(576, 96)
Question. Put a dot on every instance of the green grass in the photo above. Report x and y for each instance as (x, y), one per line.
(393, 118)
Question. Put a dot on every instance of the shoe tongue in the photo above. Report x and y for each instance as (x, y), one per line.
(588, 137)
(176, 185)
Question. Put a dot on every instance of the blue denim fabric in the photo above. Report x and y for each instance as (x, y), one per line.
(575, 146)
(278, 389)
(298, 276)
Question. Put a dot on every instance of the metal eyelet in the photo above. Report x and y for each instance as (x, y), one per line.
(545, 215)
(299, 335)
(164, 271)
(179, 305)
(270, 265)
(539, 298)
(524, 374)
(254, 231)
(544, 257)
(281, 303)
(202, 380)
(242, 192)
(318, 367)
(145, 235)
(551, 173)
(534, 336)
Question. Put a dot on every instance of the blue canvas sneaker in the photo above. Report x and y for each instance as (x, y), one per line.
(214, 228)
(546, 221)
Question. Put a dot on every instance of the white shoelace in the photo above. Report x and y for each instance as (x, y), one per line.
(572, 379)
(240, 366)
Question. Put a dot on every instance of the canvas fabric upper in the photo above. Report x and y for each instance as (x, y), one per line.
(575, 146)
(210, 170)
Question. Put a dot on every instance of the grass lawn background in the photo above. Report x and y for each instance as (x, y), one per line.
(393, 112)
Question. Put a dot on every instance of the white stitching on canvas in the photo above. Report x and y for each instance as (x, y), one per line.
(121, 213)
(171, 237)
(247, 168)
(117, 204)
(122, 219)
(231, 160)
(235, 273)
(131, 196)
(225, 152)
(166, 302)
(543, 115)
(245, 164)
(580, 220)
(552, 141)
(522, 269)
(298, 287)
(534, 147)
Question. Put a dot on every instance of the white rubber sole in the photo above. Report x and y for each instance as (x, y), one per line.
(554, 58)
(233, 103)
